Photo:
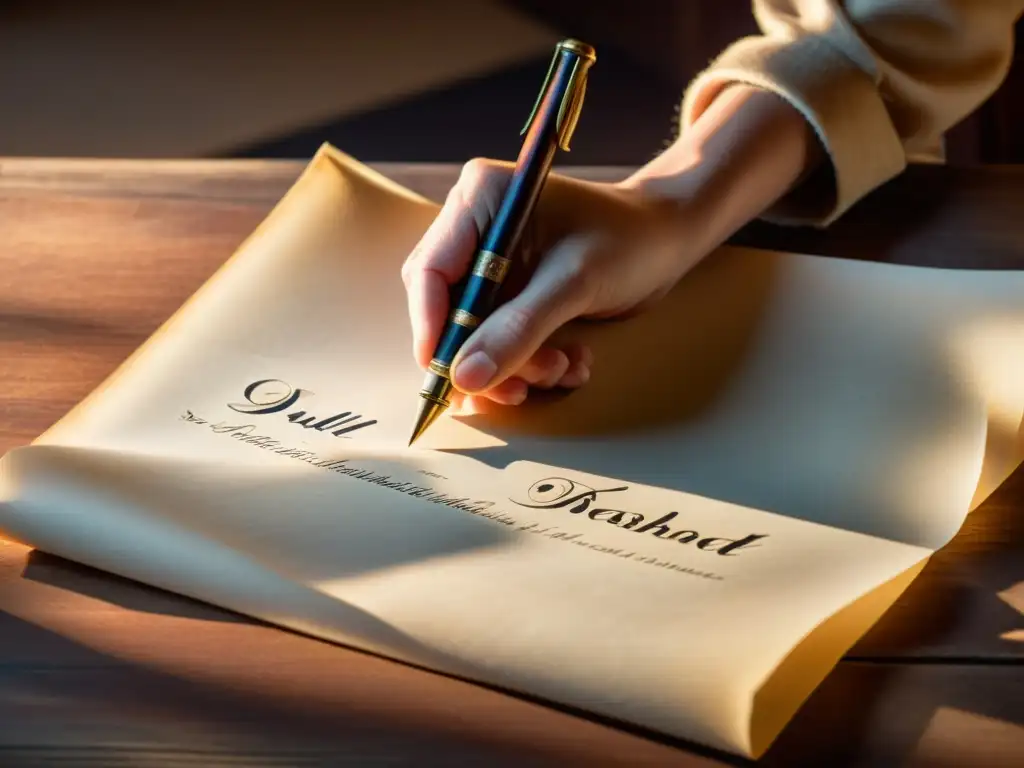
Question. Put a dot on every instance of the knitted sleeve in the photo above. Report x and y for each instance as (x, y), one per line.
(880, 81)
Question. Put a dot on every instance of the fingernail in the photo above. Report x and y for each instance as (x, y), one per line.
(577, 376)
(518, 394)
(475, 372)
(420, 351)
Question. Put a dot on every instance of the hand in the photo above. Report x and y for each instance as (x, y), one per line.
(592, 250)
(598, 250)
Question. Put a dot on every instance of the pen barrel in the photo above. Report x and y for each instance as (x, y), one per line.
(480, 294)
(533, 164)
(479, 297)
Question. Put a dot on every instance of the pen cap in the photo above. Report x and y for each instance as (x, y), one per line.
(580, 57)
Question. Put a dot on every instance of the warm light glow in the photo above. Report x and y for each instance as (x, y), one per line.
(1014, 597)
(980, 354)
(956, 737)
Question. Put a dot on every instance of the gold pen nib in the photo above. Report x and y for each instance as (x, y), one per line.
(429, 412)
(434, 400)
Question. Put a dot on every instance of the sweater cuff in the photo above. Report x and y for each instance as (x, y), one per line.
(837, 98)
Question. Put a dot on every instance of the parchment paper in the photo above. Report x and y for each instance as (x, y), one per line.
(757, 469)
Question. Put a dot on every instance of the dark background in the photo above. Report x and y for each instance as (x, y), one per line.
(250, 79)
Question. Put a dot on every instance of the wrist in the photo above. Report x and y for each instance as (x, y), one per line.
(745, 152)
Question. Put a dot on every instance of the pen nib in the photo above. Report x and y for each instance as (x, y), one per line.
(429, 411)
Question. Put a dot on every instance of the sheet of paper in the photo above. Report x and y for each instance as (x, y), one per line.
(757, 469)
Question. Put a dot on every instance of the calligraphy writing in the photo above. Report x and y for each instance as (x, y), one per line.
(270, 396)
(577, 499)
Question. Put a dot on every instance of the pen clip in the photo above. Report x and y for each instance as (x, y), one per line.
(543, 90)
(572, 98)
(572, 104)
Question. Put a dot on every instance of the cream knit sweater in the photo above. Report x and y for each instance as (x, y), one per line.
(879, 80)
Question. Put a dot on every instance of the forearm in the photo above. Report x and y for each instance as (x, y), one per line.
(744, 153)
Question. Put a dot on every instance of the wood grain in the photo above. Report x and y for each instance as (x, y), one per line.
(96, 254)
(99, 668)
(96, 665)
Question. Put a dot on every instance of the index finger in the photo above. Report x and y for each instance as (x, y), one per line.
(440, 260)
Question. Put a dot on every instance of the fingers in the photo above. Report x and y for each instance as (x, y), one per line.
(550, 367)
(509, 352)
(543, 371)
(545, 368)
(512, 391)
(581, 359)
(507, 342)
(428, 310)
(445, 252)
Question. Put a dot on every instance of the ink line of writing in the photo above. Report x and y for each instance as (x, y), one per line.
(244, 434)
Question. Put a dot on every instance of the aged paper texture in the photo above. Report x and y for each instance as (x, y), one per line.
(757, 469)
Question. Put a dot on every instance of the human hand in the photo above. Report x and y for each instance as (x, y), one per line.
(591, 250)
(598, 250)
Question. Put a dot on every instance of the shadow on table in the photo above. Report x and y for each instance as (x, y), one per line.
(896, 714)
(61, 700)
(959, 588)
(885, 708)
(124, 593)
(917, 672)
(69, 703)
(885, 705)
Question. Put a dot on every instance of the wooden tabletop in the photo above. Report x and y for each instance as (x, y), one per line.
(96, 670)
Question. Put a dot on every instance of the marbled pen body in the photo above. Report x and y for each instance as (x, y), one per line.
(549, 127)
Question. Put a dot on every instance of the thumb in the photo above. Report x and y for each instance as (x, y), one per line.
(559, 291)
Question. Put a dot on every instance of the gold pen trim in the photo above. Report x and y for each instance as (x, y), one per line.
(491, 266)
(441, 369)
(572, 104)
(436, 400)
(465, 319)
(578, 47)
(572, 101)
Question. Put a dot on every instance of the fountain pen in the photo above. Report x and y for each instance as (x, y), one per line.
(549, 127)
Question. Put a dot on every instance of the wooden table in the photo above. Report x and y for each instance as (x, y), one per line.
(96, 670)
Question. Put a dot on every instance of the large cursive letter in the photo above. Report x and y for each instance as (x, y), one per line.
(559, 492)
(268, 396)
